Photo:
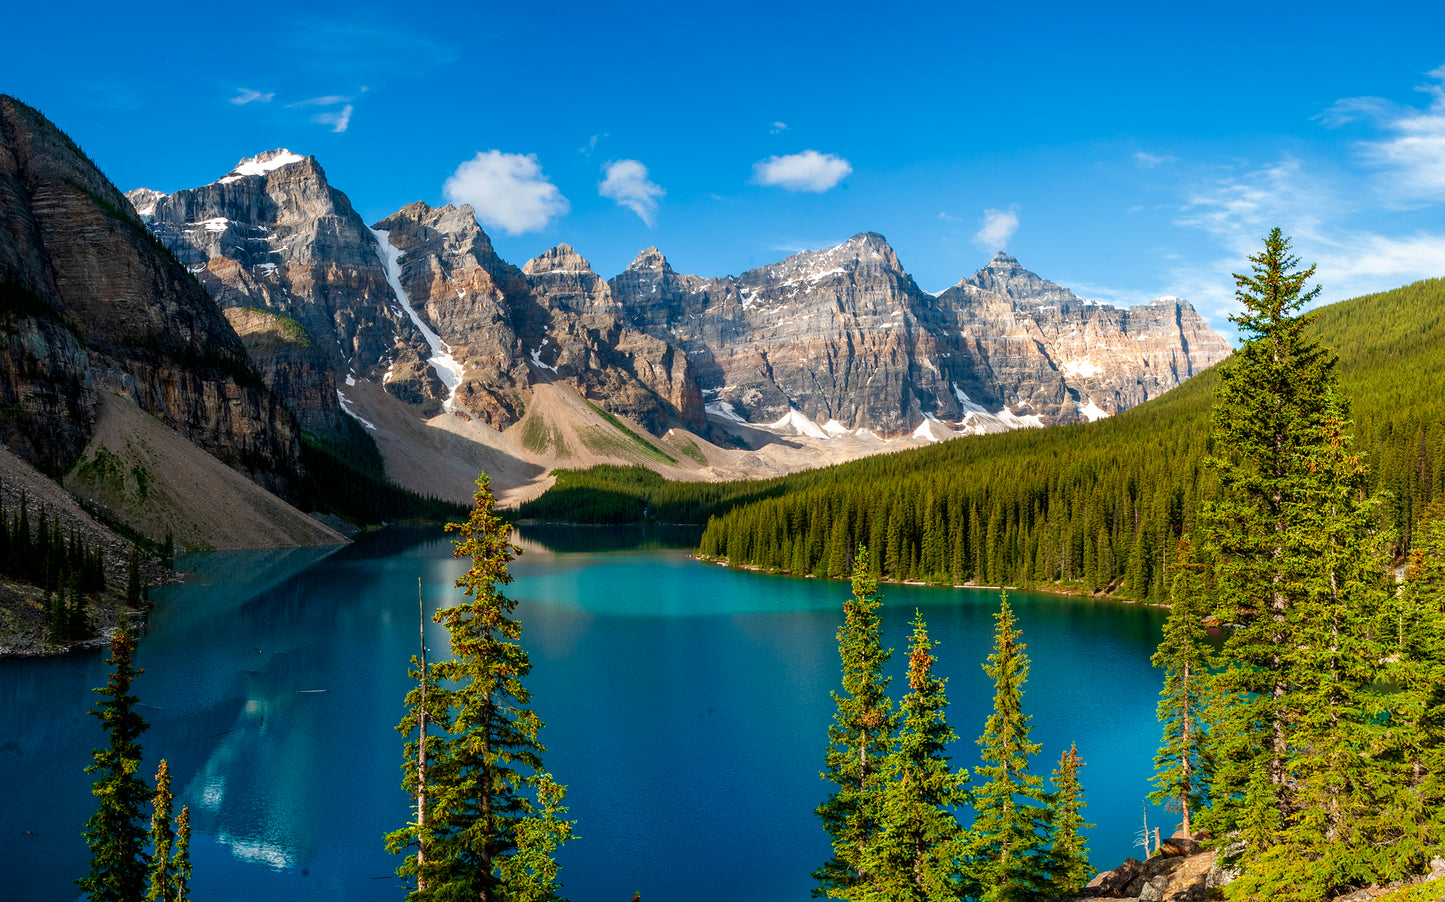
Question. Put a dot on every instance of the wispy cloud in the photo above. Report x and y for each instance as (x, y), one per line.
(1413, 156)
(627, 183)
(1145, 160)
(806, 171)
(507, 190)
(326, 100)
(778, 128)
(943, 215)
(996, 228)
(249, 96)
(339, 120)
(1319, 214)
(591, 145)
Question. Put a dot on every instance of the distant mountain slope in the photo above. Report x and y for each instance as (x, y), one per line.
(1097, 506)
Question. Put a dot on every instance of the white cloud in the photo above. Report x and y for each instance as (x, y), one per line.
(249, 96)
(806, 171)
(627, 183)
(778, 128)
(508, 191)
(591, 144)
(1351, 260)
(339, 120)
(998, 226)
(1148, 160)
(1414, 156)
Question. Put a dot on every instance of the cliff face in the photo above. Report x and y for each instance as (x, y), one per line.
(552, 320)
(845, 337)
(94, 304)
(273, 235)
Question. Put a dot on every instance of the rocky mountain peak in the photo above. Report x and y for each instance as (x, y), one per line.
(261, 164)
(560, 259)
(1005, 276)
(650, 260)
(144, 200)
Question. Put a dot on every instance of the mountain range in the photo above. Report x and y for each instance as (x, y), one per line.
(253, 311)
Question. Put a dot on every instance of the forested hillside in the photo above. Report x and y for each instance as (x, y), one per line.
(1095, 506)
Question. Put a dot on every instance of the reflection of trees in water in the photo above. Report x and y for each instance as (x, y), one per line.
(559, 538)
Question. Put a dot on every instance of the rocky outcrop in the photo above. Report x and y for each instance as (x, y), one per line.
(1066, 358)
(94, 303)
(831, 341)
(273, 235)
(846, 338)
(554, 319)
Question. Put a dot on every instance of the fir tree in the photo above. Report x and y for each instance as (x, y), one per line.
(495, 816)
(1011, 816)
(1181, 769)
(1299, 579)
(1068, 851)
(1411, 735)
(858, 742)
(181, 860)
(115, 833)
(918, 854)
(162, 840)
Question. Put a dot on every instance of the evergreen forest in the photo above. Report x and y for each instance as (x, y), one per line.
(1093, 507)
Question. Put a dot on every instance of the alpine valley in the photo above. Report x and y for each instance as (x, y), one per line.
(259, 316)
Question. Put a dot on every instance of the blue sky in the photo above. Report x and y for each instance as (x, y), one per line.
(1124, 150)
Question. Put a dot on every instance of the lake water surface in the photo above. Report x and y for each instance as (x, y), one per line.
(687, 707)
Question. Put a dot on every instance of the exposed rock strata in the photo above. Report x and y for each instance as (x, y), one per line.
(273, 235)
(92, 303)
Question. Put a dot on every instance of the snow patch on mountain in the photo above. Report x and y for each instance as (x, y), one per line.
(261, 164)
(448, 370)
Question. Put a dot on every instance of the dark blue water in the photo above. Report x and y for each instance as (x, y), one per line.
(686, 706)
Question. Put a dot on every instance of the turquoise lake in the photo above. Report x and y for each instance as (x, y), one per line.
(687, 708)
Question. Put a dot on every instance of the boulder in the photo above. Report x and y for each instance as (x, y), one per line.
(1113, 883)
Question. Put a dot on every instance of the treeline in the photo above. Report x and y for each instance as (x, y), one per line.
(1099, 506)
(58, 561)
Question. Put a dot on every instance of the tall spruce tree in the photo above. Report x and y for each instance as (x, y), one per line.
(1012, 824)
(181, 860)
(116, 833)
(918, 854)
(495, 816)
(858, 743)
(1068, 848)
(162, 840)
(1411, 729)
(1182, 767)
(1299, 579)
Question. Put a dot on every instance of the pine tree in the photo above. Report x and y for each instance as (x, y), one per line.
(918, 854)
(858, 742)
(1068, 851)
(1182, 769)
(115, 833)
(1411, 736)
(1299, 577)
(162, 840)
(1266, 417)
(1011, 823)
(181, 860)
(485, 837)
